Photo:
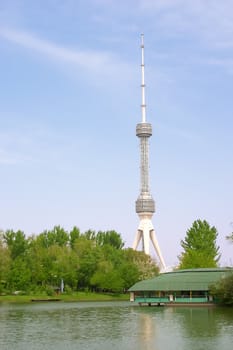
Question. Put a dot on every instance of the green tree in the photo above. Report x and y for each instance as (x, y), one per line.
(5, 261)
(50, 265)
(74, 234)
(107, 278)
(62, 265)
(146, 266)
(88, 257)
(55, 236)
(129, 273)
(223, 290)
(84, 261)
(199, 245)
(19, 274)
(19, 277)
(90, 235)
(16, 242)
(37, 260)
(111, 238)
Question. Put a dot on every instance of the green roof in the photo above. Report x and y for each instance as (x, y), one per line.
(181, 280)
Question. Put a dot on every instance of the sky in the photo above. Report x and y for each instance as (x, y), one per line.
(70, 100)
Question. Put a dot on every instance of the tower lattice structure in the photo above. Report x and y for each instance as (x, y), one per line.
(145, 205)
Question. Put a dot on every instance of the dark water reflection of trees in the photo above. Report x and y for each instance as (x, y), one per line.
(186, 327)
(201, 322)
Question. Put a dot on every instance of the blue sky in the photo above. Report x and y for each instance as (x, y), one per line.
(70, 102)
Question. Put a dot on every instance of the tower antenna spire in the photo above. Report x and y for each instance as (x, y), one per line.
(145, 205)
(143, 106)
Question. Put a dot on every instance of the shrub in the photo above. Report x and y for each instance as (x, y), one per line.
(222, 291)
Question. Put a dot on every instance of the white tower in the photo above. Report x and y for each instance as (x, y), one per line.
(145, 205)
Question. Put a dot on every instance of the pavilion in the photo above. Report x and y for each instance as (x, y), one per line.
(180, 287)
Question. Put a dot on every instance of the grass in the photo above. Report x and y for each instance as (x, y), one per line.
(78, 296)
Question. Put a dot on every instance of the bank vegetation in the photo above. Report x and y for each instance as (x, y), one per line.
(69, 261)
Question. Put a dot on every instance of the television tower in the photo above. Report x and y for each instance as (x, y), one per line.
(145, 205)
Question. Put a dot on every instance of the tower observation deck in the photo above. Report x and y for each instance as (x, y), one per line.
(145, 205)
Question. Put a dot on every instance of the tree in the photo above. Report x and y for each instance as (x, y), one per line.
(107, 278)
(55, 236)
(109, 237)
(88, 256)
(129, 273)
(37, 260)
(82, 261)
(49, 265)
(19, 277)
(90, 235)
(200, 249)
(19, 274)
(5, 261)
(223, 291)
(74, 234)
(16, 242)
(146, 266)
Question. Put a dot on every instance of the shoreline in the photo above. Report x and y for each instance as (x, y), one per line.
(79, 296)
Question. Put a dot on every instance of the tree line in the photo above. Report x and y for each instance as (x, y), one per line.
(95, 261)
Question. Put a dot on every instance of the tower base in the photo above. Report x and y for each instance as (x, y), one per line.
(146, 233)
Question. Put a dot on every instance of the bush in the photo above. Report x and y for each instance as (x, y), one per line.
(68, 289)
(49, 291)
(222, 291)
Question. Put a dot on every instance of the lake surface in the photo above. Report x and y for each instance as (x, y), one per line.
(114, 325)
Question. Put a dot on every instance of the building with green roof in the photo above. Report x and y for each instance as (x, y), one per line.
(178, 287)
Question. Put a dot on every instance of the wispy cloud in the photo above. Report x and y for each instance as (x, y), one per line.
(100, 63)
(90, 60)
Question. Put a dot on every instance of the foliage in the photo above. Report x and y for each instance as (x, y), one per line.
(74, 234)
(145, 265)
(200, 249)
(19, 277)
(106, 278)
(55, 236)
(5, 260)
(84, 261)
(223, 290)
(111, 238)
(16, 242)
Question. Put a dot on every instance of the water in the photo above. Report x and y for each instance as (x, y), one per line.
(111, 326)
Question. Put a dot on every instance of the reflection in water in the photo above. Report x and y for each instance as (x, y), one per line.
(197, 321)
(186, 328)
(146, 331)
(114, 326)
